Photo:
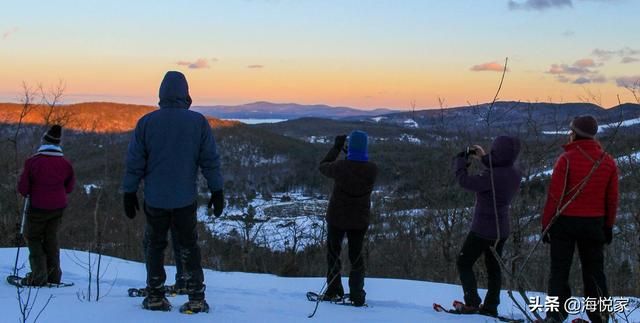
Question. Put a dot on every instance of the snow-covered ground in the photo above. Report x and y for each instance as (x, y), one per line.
(620, 160)
(284, 222)
(625, 123)
(410, 138)
(233, 296)
(410, 123)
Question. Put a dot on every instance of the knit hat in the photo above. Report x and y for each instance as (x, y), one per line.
(585, 126)
(53, 136)
(357, 149)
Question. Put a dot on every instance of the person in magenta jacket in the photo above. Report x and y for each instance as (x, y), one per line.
(46, 179)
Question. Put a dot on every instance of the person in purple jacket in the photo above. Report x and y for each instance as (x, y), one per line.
(485, 232)
(46, 179)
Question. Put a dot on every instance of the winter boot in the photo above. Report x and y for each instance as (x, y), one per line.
(463, 308)
(335, 292)
(180, 287)
(195, 306)
(357, 298)
(31, 280)
(154, 303)
(488, 310)
(156, 300)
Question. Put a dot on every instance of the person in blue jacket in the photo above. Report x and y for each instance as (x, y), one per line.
(166, 150)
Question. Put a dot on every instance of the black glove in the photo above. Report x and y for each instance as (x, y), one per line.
(217, 201)
(339, 142)
(462, 154)
(608, 235)
(546, 238)
(130, 200)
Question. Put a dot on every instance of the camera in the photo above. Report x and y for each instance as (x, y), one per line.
(470, 151)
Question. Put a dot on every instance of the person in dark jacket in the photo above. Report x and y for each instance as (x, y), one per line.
(166, 150)
(485, 232)
(348, 212)
(46, 180)
(580, 210)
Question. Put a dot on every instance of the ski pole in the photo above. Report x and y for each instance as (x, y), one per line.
(25, 209)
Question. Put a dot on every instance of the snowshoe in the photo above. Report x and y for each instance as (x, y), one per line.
(24, 282)
(192, 307)
(463, 308)
(156, 304)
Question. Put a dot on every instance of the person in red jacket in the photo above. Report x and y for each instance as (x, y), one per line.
(581, 210)
(46, 179)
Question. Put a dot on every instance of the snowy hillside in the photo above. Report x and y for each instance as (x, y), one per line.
(234, 297)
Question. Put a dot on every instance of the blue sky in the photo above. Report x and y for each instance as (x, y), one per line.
(359, 53)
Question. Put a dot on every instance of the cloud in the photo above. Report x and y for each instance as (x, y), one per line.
(579, 72)
(569, 33)
(539, 4)
(566, 69)
(582, 80)
(200, 63)
(605, 54)
(255, 66)
(10, 32)
(548, 4)
(590, 79)
(628, 81)
(585, 62)
(491, 66)
(629, 59)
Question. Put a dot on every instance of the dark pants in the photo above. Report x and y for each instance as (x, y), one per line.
(355, 239)
(41, 234)
(474, 247)
(588, 235)
(179, 282)
(183, 221)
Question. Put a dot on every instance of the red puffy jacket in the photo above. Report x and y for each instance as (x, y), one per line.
(598, 198)
(48, 180)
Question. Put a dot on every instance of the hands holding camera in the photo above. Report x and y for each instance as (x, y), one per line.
(475, 151)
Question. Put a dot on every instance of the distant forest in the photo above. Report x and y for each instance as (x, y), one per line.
(278, 158)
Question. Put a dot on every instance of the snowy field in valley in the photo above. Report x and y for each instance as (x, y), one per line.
(234, 297)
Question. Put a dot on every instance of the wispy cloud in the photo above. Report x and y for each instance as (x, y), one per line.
(548, 4)
(585, 62)
(491, 67)
(628, 81)
(539, 4)
(605, 54)
(255, 66)
(568, 69)
(10, 32)
(200, 63)
(580, 72)
(590, 79)
(629, 59)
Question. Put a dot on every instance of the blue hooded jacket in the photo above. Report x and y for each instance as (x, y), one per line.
(167, 148)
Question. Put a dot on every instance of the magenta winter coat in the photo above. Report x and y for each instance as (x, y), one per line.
(48, 180)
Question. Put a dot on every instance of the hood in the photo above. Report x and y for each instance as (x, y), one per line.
(174, 91)
(357, 149)
(504, 152)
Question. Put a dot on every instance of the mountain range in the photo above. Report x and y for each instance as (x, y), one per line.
(268, 110)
